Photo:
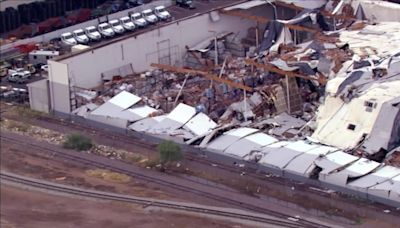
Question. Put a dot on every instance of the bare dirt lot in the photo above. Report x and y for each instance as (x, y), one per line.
(22, 208)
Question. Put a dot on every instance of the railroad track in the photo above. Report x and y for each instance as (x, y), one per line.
(130, 139)
(146, 202)
(93, 162)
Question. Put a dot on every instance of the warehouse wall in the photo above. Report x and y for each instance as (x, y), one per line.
(39, 95)
(86, 68)
(59, 87)
(146, 48)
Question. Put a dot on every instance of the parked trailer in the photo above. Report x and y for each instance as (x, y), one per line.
(40, 56)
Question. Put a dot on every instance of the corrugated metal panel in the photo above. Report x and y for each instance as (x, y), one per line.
(379, 176)
(200, 124)
(304, 163)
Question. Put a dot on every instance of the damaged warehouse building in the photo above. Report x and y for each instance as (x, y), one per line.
(307, 90)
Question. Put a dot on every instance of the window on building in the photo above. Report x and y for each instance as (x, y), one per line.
(351, 127)
(369, 104)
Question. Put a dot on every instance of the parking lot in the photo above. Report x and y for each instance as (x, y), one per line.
(176, 12)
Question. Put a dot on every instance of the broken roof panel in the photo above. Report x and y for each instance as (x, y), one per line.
(304, 163)
(379, 176)
(282, 156)
(116, 104)
(224, 141)
(283, 122)
(200, 124)
(388, 189)
(124, 99)
(359, 168)
(146, 124)
(174, 120)
(334, 161)
(245, 145)
(138, 113)
(345, 123)
(368, 41)
(182, 113)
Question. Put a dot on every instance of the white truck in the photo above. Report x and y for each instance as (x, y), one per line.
(68, 39)
(149, 16)
(18, 75)
(92, 33)
(139, 20)
(162, 13)
(117, 26)
(106, 30)
(80, 36)
(127, 23)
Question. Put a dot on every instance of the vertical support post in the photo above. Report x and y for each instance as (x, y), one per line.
(216, 50)
(245, 105)
(288, 94)
(257, 38)
(180, 91)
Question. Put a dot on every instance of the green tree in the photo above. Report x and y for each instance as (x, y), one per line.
(77, 142)
(169, 151)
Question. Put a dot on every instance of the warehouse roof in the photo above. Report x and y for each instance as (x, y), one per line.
(281, 157)
(174, 120)
(379, 176)
(200, 124)
(244, 146)
(334, 161)
(304, 163)
(356, 169)
(116, 104)
(229, 137)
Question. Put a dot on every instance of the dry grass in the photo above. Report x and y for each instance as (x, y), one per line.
(15, 126)
(132, 157)
(108, 175)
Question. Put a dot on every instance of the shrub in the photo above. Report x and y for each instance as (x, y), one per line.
(169, 151)
(77, 142)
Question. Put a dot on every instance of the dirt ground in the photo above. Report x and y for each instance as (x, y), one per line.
(63, 172)
(22, 208)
